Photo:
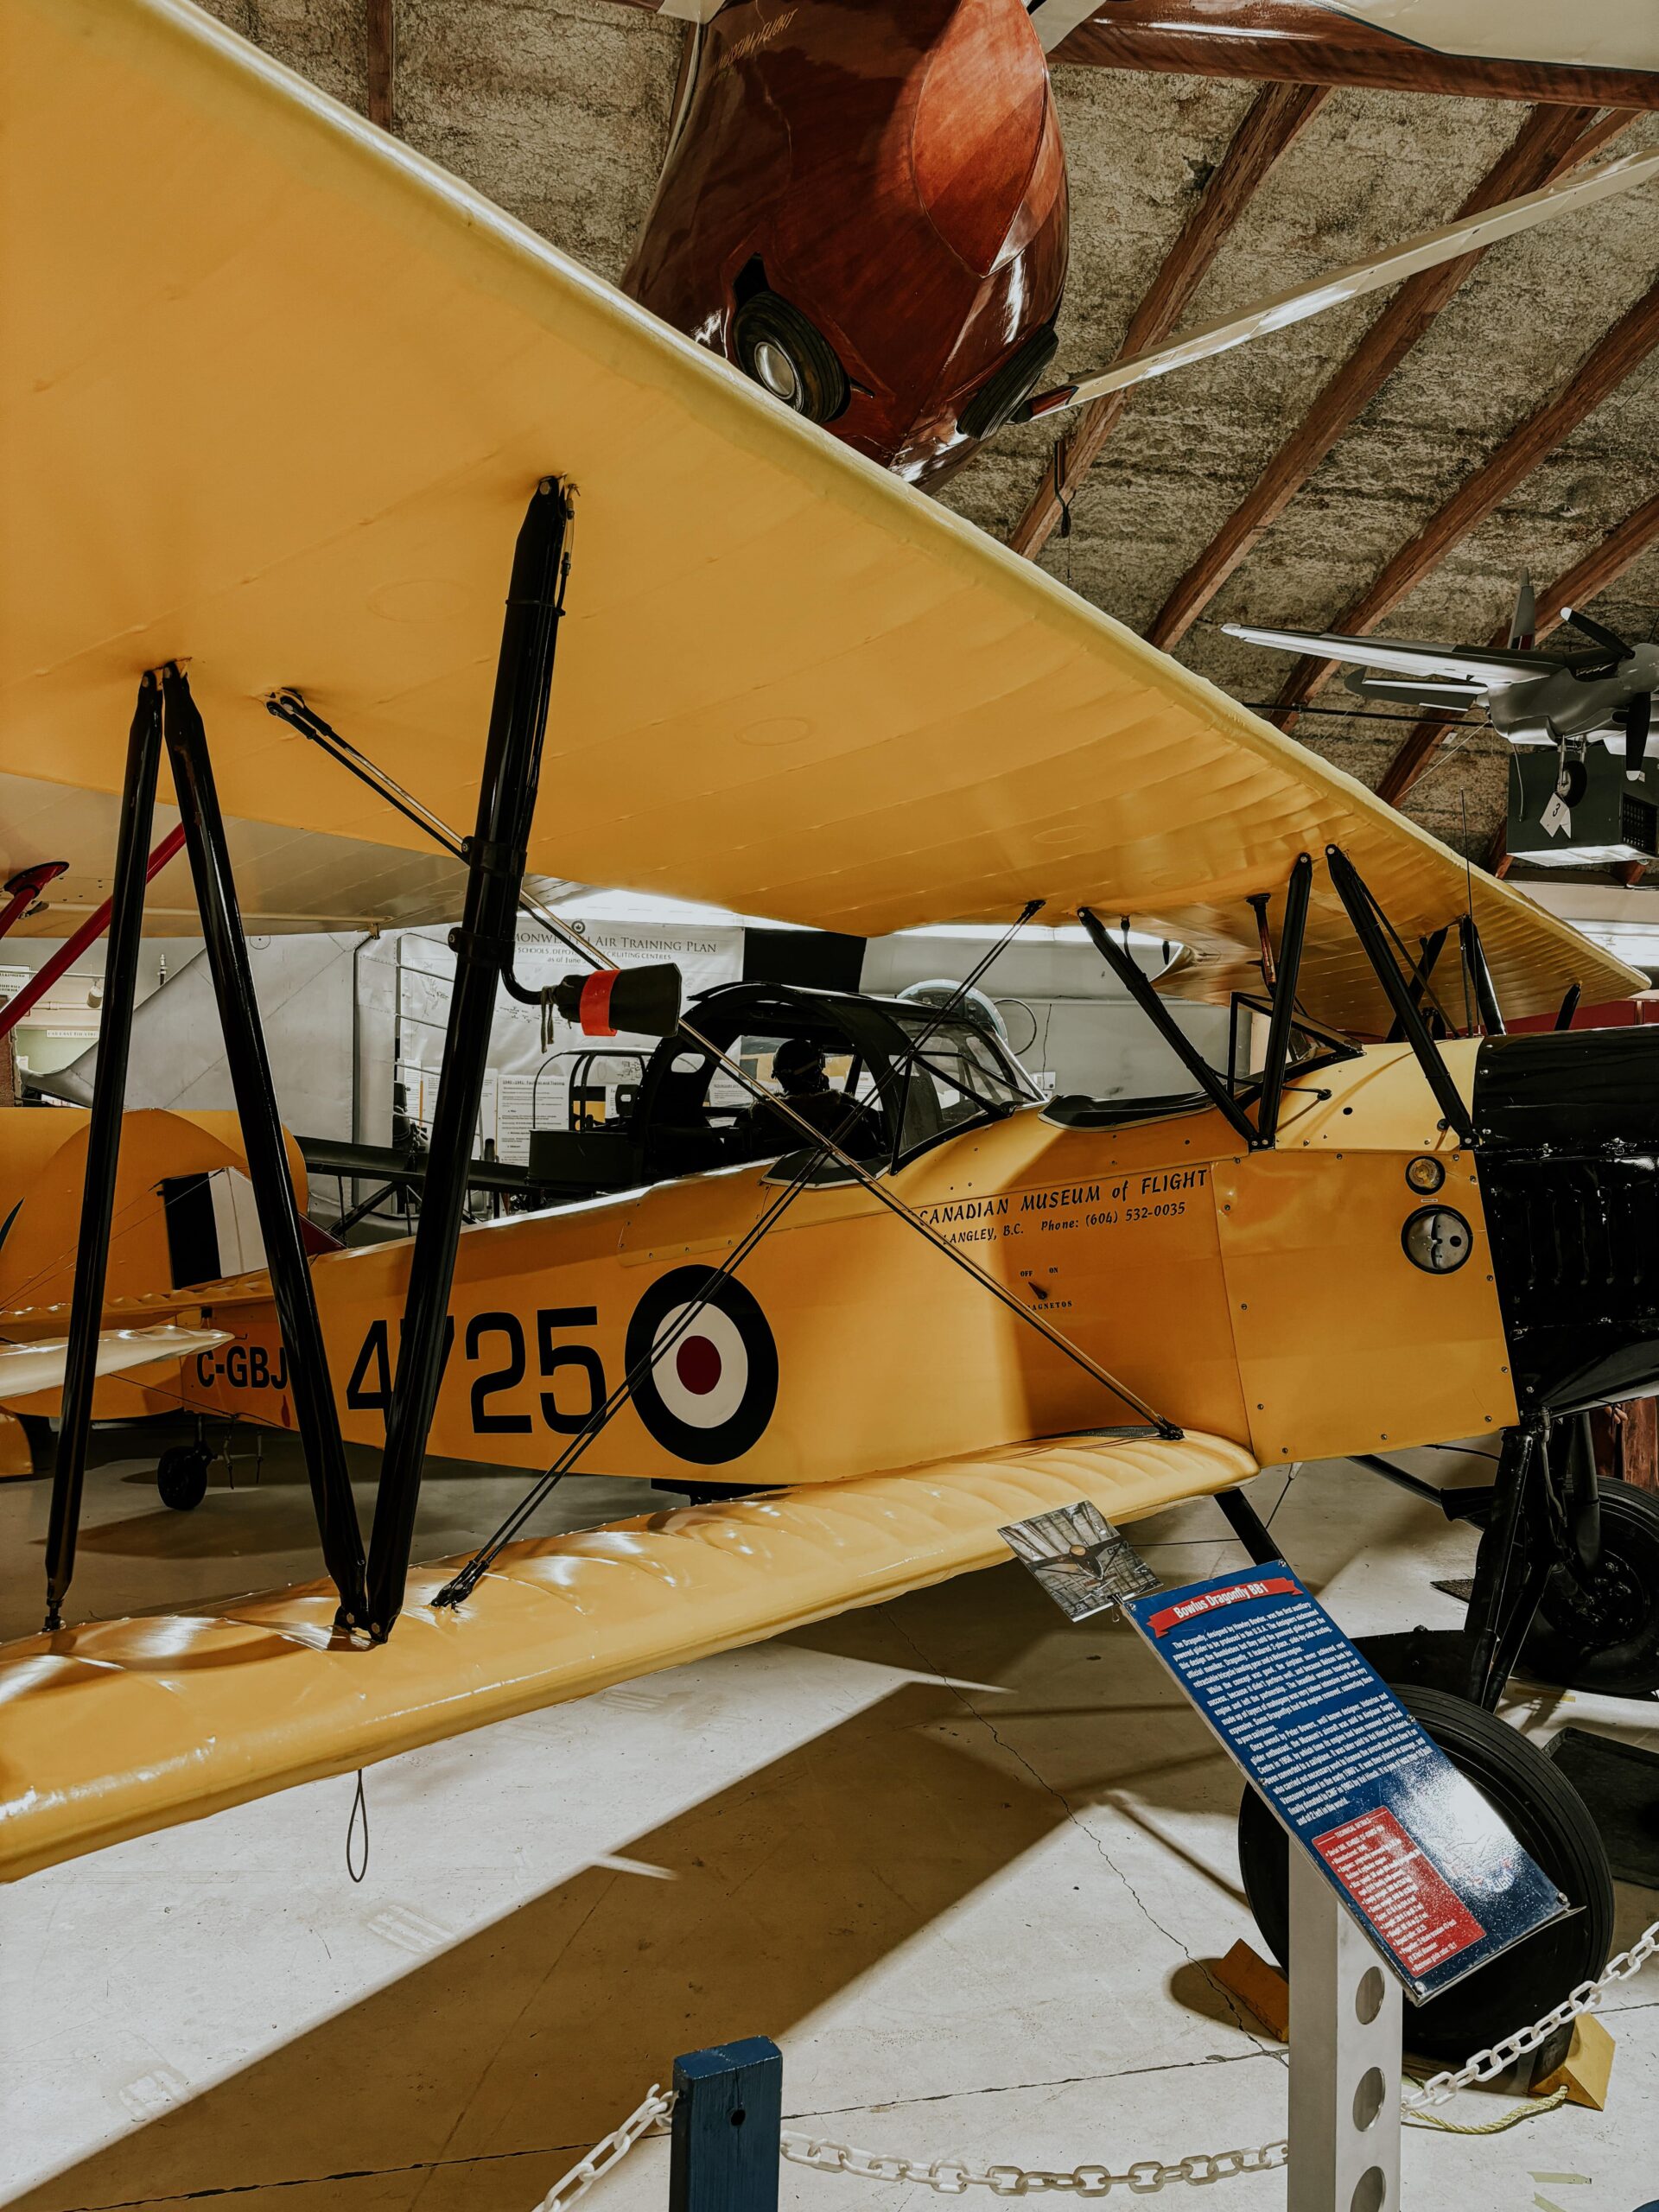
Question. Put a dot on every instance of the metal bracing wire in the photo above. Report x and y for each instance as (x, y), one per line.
(289, 706)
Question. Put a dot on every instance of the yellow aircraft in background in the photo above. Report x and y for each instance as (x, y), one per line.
(279, 393)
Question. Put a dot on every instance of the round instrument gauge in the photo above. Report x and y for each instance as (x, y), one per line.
(1437, 1239)
(1425, 1175)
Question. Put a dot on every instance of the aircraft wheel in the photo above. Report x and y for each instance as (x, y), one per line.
(1010, 386)
(1606, 1638)
(182, 1476)
(1553, 1823)
(1572, 782)
(789, 356)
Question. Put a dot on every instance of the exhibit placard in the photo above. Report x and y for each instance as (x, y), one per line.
(1430, 1871)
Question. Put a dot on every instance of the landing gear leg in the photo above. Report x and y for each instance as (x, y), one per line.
(1572, 772)
(1512, 1565)
(1598, 1629)
(1568, 1577)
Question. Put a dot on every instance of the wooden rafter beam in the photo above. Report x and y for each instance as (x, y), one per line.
(1276, 117)
(1313, 42)
(1624, 347)
(1603, 565)
(379, 31)
(1551, 141)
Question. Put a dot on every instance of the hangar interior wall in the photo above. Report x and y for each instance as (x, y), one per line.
(348, 1019)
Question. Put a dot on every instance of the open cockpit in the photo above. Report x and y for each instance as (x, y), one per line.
(882, 1079)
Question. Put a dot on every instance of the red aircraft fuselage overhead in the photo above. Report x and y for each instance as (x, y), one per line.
(865, 209)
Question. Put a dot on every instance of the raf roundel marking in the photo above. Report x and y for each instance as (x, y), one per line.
(710, 1392)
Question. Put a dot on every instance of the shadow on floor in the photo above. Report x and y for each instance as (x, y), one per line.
(542, 2030)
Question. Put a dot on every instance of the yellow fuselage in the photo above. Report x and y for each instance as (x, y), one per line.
(1262, 1297)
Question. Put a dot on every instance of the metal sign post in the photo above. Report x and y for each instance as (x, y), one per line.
(1401, 1874)
(1345, 2032)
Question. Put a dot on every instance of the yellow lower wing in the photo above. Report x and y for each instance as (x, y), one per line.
(124, 1727)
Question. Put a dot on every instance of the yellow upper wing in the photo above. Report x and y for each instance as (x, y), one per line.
(274, 392)
(123, 1726)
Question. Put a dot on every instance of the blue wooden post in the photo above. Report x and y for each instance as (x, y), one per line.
(728, 2111)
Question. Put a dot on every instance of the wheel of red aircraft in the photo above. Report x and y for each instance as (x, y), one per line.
(1013, 383)
(789, 356)
(182, 1476)
(1606, 1638)
(1553, 1823)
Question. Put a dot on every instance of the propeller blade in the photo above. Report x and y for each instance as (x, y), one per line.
(1426, 251)
(1639, 718)
(1523, 623)
(1587, 626)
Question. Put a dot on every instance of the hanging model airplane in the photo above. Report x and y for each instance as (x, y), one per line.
(866, 210)
(1531, 698)
(785, 684)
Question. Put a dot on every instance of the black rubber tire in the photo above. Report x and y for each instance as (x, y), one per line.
(767, 319)
(182, 1476)
(1009, 387)
(1573, 783)
(1552, 1823)
(1611, 1643)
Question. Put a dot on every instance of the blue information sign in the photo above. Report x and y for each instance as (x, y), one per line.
(1430, 1873)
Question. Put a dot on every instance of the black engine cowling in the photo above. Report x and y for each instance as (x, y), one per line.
(1567, 1125)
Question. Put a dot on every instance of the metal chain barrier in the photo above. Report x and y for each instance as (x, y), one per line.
(1487, 2065)
(949, 2177)
(609, 2151)
(1146, 2177)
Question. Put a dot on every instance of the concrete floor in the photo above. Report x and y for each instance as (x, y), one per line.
(964, 1862)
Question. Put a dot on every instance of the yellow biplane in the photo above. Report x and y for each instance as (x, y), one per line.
(279, 393)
